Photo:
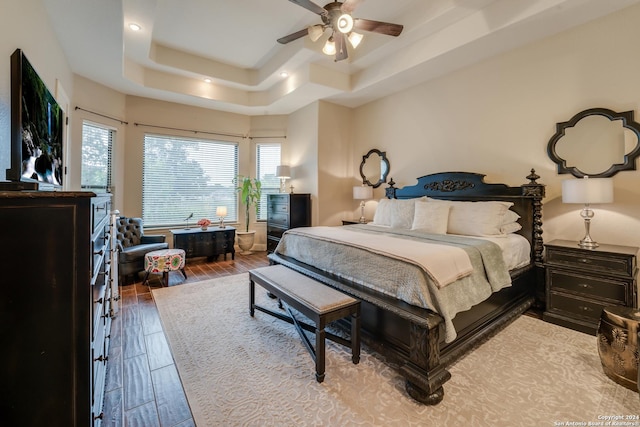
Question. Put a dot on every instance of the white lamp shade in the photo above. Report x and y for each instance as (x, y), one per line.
(221, 211)
(329, 47)
(283, 171)
(362, 192)
(355, 39)
(587, 190)
(315, 32)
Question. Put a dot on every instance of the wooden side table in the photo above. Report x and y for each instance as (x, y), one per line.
(210, 243)
(581, 282)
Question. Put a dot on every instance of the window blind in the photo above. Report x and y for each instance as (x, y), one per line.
(97, 145)
(267, 159)
(183, 176)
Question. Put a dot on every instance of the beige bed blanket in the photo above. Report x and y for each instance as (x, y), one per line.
(398, 276)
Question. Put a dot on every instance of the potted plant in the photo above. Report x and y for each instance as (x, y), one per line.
(250, 191)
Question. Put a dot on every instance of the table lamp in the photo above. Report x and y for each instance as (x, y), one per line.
(588, 191)
(362, 193)
(221, 211)
(283, 172)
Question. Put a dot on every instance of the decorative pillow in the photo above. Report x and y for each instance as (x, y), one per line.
(431, 217)
(509, 217)
(512, 227)
(477, 218)
(383, 213)
(402, 212)
(510, 222)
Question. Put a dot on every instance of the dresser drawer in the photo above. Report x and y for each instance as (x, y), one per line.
(609, 289)
(279, 219)
(279, 198)
(587, 261)
(275, 232)
(272, 243)
(576, 307)
(100, 210)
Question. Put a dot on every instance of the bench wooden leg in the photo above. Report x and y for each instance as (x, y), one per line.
(252, 297)
(355, 337)
(320, 341)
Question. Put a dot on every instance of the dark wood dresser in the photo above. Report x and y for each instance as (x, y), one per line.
(285, 211)
(55, 313)
(210, 243)
(581, 282)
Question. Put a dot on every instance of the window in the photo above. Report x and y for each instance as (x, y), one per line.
(267, 159)
(184, 177)
(97, 142)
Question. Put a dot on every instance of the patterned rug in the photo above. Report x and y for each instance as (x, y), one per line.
(243, 371)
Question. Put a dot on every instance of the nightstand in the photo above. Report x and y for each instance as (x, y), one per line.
(350, 221)
(581, 282)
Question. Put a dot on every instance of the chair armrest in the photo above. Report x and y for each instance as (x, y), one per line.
(152, 239)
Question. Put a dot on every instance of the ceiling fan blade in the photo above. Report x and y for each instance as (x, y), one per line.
(341, 46)
(350, 5)
(378, 27)
(293, 36)
(309, 5)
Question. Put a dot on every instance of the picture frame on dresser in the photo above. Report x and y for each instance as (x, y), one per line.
(581, 282)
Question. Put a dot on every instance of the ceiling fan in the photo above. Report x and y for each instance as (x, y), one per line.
(336, 16)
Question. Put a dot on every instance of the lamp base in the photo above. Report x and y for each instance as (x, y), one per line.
(588, 244)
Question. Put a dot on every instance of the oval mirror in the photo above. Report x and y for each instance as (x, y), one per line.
(597, 142)
(374, 168)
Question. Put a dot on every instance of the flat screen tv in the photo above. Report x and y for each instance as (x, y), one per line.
(36, 129)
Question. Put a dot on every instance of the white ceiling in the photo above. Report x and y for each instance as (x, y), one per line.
(234, 43)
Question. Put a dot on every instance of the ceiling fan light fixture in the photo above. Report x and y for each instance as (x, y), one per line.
(355, 39)
(315, 32)
(344, 23)
(329, 47)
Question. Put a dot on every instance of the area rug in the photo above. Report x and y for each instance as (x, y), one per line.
(242, 371)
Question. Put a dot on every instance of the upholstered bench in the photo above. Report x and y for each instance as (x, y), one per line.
(319, 303)
(164, 261)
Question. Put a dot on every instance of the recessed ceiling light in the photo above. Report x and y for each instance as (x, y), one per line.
(134, 27)
(207, 80)
(284, 74)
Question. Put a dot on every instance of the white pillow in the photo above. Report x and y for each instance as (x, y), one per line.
(402, 213)
(431, 217)
(509, 217)
(476, 218)
(383, 213)
(510, 222)
(512, 227)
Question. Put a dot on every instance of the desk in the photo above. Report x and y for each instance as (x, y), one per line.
(210, 243)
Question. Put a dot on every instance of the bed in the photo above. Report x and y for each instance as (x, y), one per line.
(423, 336)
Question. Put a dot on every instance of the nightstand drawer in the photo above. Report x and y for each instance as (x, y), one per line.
(586, 261)
(575, 306)
(612, 290)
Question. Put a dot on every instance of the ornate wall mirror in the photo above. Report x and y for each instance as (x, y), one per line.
(597, 142)
(374, 168)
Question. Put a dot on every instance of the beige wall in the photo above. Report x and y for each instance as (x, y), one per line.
(303, 154)
(497, 117)
(335, 170)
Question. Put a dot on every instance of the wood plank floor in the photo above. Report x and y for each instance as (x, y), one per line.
(143, 387)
